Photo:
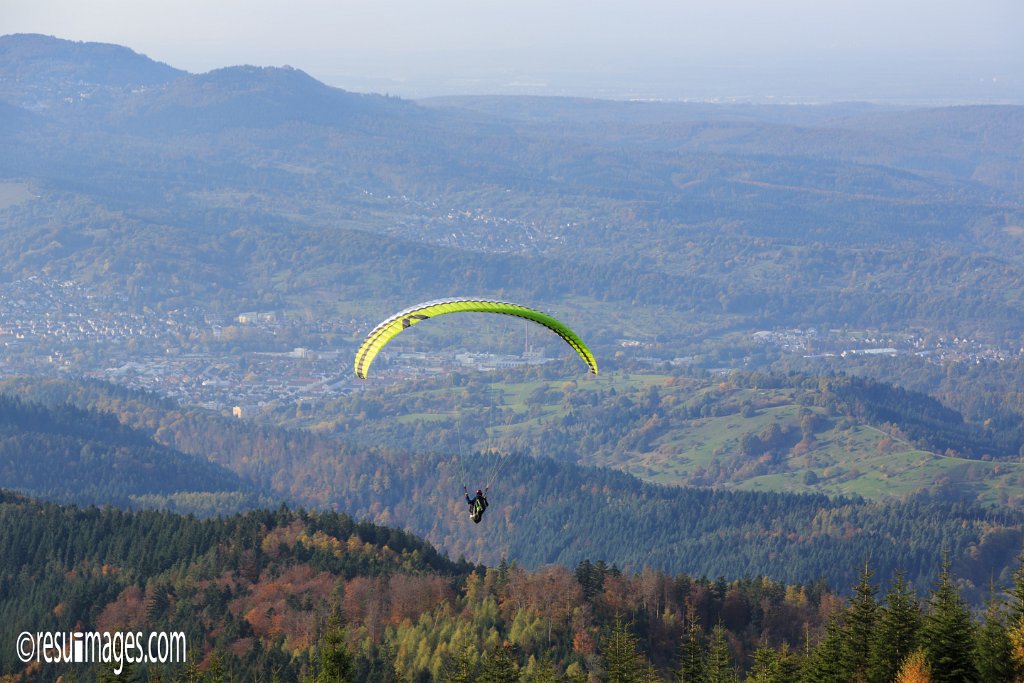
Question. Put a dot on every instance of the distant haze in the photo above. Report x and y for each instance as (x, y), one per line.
(912, 51)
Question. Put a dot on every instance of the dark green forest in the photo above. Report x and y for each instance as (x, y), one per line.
(296, 595)
(64, 453)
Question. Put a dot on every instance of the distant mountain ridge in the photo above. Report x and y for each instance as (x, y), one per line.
(47, 74)
(251, 97)
(741, 216)
(27, 56)
(129, 92)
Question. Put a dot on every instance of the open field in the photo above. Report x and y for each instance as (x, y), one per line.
(684, 431)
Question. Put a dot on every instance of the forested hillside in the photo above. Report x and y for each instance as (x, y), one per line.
(256, 588)
(68, 454)
(832, 434)
(288, 595)
(545, 511)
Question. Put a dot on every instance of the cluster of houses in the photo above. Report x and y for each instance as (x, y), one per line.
(60, 327)
(841, 343)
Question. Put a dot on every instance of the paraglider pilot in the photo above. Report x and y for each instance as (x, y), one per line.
(477, 505)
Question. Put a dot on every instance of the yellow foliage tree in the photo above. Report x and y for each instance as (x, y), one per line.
(915, 669)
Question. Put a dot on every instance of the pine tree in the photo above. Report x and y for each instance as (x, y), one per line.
(460, 667)
(190, 673)
(543, 671)
(650, 674)
(824, 663)
(620, 657)
(691, 660)
(591, 579)
(947, 634)
(766, 661)
(896, 636)
(112, 671)
(499, 666)
(993, 650)
(858, 626)
(1015, 617)
(216, 671)
(720, 668)
(335, 660)
(788, 670)
(774, 666)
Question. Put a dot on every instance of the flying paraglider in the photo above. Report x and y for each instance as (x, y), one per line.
(477, 504)
(392, 326)
(389, 328)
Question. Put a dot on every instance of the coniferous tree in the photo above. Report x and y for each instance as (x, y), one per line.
(111, 672)
(620, 656)
(650, 674)
(947, 634)
(720, 668)
(1015, 617)
(993, 650)
(858, 626)
(335, 660)
(692, 657)
(542, 672)
(460, 667)
(774, 666)
(896, 636)
(591, 579)
(788, 670)
(216, 671)
(499, 667)
(191, 673)
(766, 661)
(824, 663)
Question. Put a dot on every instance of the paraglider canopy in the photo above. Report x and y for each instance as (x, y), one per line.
(389, 328)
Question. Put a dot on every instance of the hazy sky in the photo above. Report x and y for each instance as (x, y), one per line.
(914, 50)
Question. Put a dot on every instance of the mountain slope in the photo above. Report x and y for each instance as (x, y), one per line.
(56, 76)
(34, 59)
(258, 586)
(544, 512)
(261, 187)
(250, 97)
(68, 454)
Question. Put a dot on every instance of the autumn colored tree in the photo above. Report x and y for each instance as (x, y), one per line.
(915, 669)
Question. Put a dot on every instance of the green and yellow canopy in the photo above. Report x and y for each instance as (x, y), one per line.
(387, 330)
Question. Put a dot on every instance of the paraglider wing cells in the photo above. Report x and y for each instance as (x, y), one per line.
(386, 331)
